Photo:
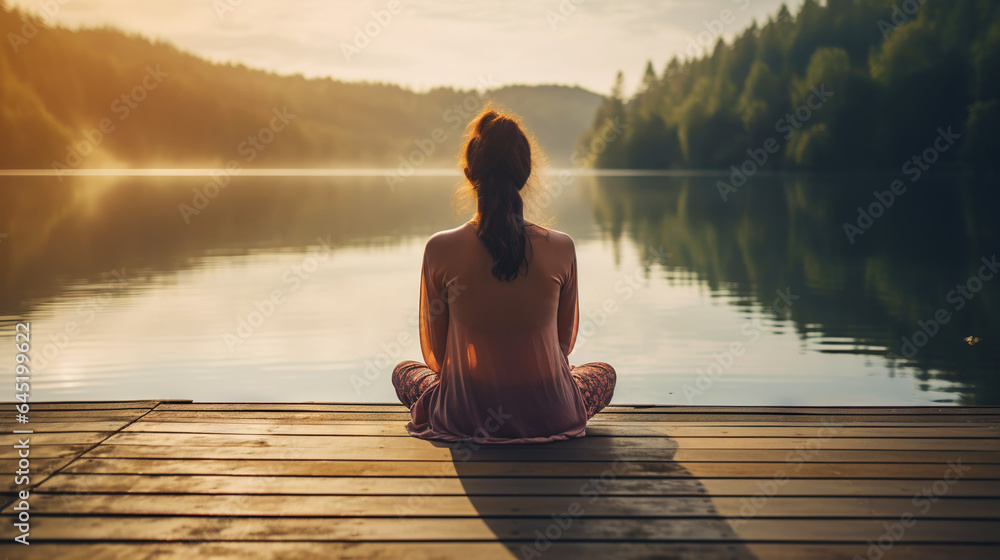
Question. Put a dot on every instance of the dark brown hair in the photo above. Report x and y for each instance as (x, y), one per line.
(497, 163)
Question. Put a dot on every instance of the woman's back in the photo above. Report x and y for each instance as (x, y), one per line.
(528, 303)
(499, 345)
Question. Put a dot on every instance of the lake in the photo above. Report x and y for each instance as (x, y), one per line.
(304, 288)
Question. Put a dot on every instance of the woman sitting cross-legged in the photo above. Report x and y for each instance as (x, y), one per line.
(499, 315)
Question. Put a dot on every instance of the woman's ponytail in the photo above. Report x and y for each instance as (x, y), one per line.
(498, 164)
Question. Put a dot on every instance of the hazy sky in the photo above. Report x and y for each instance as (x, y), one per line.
(430, 42)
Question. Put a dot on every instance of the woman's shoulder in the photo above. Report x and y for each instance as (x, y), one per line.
(443, 240)
(448, 240)
(555, 237)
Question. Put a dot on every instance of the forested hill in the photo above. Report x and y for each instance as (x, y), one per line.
(103, 98)
(901, 74)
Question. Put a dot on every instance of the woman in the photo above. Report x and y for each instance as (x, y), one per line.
(499, 315)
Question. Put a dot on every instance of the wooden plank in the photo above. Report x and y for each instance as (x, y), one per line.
(814, 410)
(347, 452)
(589, 444)
(592, 504)
(84, 405)
(623, 409)
(471, 469)
(481, 550)
(729, 409)
(643, 429)
(390, 406)
(202, 416)
(234, 418)
(9, 466)
(397, 486)
(53, 427)
(803, 423)
(175, 415)
(194, 528)
(45, 452)
(82, 415)
(39, 469)
(286, 407)
(57, 438)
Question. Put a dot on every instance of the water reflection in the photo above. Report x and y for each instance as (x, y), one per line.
(787, 234)
(157, 303)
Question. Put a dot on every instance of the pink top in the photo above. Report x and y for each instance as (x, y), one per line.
(500, 347)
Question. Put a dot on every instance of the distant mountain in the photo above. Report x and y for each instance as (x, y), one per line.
(558, 116)
(103, 98)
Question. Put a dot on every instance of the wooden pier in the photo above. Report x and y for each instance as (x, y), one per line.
(148, 479)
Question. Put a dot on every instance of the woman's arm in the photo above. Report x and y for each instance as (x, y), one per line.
(569, 308)
(433, 315)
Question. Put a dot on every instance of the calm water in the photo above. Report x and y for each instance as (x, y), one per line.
(296, 289)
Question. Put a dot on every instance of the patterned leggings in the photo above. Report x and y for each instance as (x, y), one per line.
(596, 381)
